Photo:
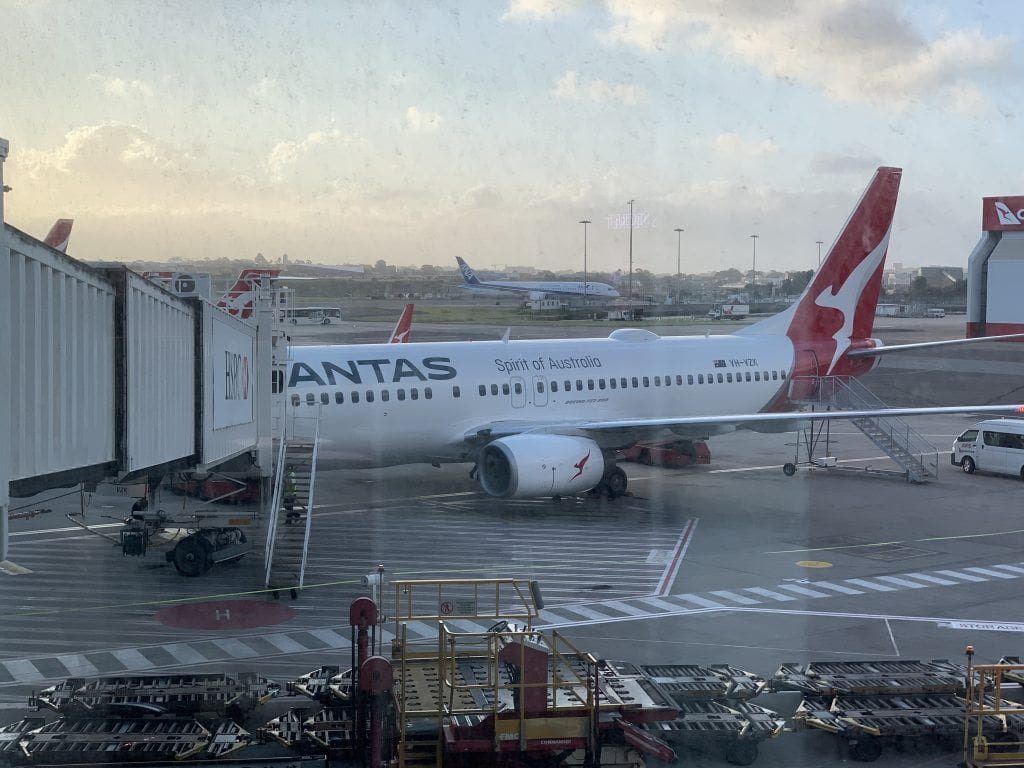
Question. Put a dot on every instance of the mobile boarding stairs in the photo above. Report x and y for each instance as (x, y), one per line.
(917, 458)
(290, 516)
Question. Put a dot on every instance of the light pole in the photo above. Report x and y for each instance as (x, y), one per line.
(819, 242)
(631, 260)
(753, 272)
(584, 222)
(679, 251)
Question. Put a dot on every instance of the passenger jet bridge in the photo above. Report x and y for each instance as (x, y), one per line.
(106, 376)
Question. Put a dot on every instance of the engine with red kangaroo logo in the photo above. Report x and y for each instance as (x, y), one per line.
(524, 466)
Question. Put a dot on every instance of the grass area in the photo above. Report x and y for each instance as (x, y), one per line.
(497, 315)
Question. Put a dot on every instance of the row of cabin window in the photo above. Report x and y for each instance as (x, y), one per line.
(371, 395)
(625, 383)
(517, 387)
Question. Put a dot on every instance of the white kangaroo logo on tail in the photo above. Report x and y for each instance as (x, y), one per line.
(845, 299)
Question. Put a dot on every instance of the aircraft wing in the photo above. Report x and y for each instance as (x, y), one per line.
(615, 432)
(885, 350)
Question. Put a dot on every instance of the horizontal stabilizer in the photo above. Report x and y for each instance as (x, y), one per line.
(879, 351)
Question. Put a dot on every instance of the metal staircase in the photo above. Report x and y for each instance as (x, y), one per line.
(290, 518)
(918, 458)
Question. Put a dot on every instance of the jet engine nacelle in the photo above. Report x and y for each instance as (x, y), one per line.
(528, 466)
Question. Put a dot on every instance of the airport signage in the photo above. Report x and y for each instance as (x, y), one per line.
(984, 626)
(1003, 214)
(233, 360)
(131, 491)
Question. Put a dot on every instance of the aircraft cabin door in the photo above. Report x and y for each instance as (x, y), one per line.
(804, 382)
(540, 391)
(518, 392)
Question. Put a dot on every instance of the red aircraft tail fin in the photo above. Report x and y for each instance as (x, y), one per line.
(240, 299)
(837, 308)
(59, 235)
(402, 328)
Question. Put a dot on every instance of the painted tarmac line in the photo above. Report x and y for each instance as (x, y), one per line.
(893, 543)
(990, 572)
(672, 570)
(777, 596)
(837, 587)
(803, 590)
(131, 659)
(78, 665)
(727, 595)
(70, 528)
(900, 582)
(870, 585)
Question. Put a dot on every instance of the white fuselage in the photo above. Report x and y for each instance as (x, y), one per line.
(385, 404)
(569, 288)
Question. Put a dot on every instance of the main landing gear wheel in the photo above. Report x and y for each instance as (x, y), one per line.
(968, 465)
(192, 556)
(615, 483)
(645, 457)
(789, 469)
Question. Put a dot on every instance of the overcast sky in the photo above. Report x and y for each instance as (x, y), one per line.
(414, 132)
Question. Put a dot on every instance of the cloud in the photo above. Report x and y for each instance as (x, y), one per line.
(569, 87)
(519, 10)
(854, 50)
(733, 144)
(119, 88)
(289, 159)
(421, 122)
(97, 148)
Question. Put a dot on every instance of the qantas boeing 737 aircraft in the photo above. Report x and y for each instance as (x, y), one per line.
(544, 418)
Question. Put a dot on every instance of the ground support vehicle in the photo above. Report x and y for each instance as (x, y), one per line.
(115, 739)
(993, 727)
(994, 445)
(671, 453)
(194, 542)
(212, 694)
(874, 704)
(714, 707)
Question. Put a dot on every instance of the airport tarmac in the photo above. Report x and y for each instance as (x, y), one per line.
(728, 563)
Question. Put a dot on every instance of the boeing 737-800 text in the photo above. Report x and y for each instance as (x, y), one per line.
(543, 418)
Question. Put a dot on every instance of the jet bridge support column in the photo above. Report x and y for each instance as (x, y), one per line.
(264, 372)
(5, 367)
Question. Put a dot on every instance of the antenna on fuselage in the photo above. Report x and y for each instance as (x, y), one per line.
(504, 336)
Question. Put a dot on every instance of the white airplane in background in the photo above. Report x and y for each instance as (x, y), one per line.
(544, 418)
(537, 289)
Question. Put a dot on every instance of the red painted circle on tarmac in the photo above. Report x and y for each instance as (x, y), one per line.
(225, 614)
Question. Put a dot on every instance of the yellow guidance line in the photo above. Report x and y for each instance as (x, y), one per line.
(890, 543)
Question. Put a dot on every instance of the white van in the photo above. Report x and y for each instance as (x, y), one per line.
(996, 445)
